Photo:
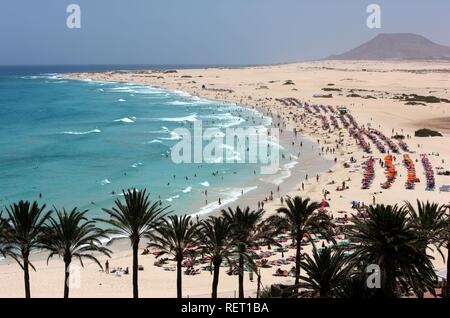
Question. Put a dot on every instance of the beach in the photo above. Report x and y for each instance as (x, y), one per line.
(371, 91)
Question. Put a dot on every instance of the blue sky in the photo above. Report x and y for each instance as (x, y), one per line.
(204, 31)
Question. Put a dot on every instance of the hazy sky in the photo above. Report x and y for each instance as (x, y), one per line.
(204, 31)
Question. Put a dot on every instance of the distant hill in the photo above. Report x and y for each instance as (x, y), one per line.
(396, 46)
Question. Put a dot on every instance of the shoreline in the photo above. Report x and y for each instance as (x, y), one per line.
(261, 188)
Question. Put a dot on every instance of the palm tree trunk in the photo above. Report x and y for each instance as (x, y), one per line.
(179, 278)
(66, 279)
(215, 282)
(241, 276)
(298, 242)
(135, 269)
(447, 283)
(388, 282)
(26, 274)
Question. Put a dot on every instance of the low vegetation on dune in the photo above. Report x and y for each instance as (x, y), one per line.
(330, 89)
(421, 98)
(424, 132)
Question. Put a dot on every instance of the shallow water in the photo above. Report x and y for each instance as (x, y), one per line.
(79, 143)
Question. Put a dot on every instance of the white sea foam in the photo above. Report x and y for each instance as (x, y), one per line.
(121, 100)
(154, 141)
(137, 164)
(93, 131)
(178, 102)
(190, 118)
(205, 183)
(182, 93)
(126, 120)
(225, 120)
(285, 172)
(230, 195)
(104, 182)
(173, 136)
(171, 198)
(186, 190)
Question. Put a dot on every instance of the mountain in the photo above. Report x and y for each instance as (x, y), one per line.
(396, 46)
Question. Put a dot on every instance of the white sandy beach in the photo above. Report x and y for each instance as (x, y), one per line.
(260, 86)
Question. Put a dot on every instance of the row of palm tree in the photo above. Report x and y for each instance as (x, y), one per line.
(395, 238)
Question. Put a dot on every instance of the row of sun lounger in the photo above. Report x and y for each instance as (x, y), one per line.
(334, 122)
(375, 140)
(412, 179)
(325, 123)
(369, 173)
(429, 173)
(357, 134)
(390, 172)
(393, 146)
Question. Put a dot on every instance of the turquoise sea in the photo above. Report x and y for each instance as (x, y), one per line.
(79, 143)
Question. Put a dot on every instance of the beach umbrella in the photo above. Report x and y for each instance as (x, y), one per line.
(325, 203)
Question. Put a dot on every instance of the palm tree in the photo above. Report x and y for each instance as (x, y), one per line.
(176, 236)
(135, 219)
(388, 239)
(446, 243)
(429, 220)
(243, 228)
(25, 231)
(326, 271)
(4, 247)
(70, 236)
(303, 223)
(356, 286)
(216, 242)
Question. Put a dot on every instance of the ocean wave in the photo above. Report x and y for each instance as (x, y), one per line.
(182, 93)
(48, 76)
(173, 136)
(178, 102)
(190, 118)
(187, 190)
(137, 164)
(154, 141)
(93, 131)
(285, 172)
(205, 183)
(173, 197)
(137, 89)
(225, 119)
(106, 240)
(104, 182)
(126, 120)
(121, 100)
(231, 195)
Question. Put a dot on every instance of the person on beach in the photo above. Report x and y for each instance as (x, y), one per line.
(107, 267)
